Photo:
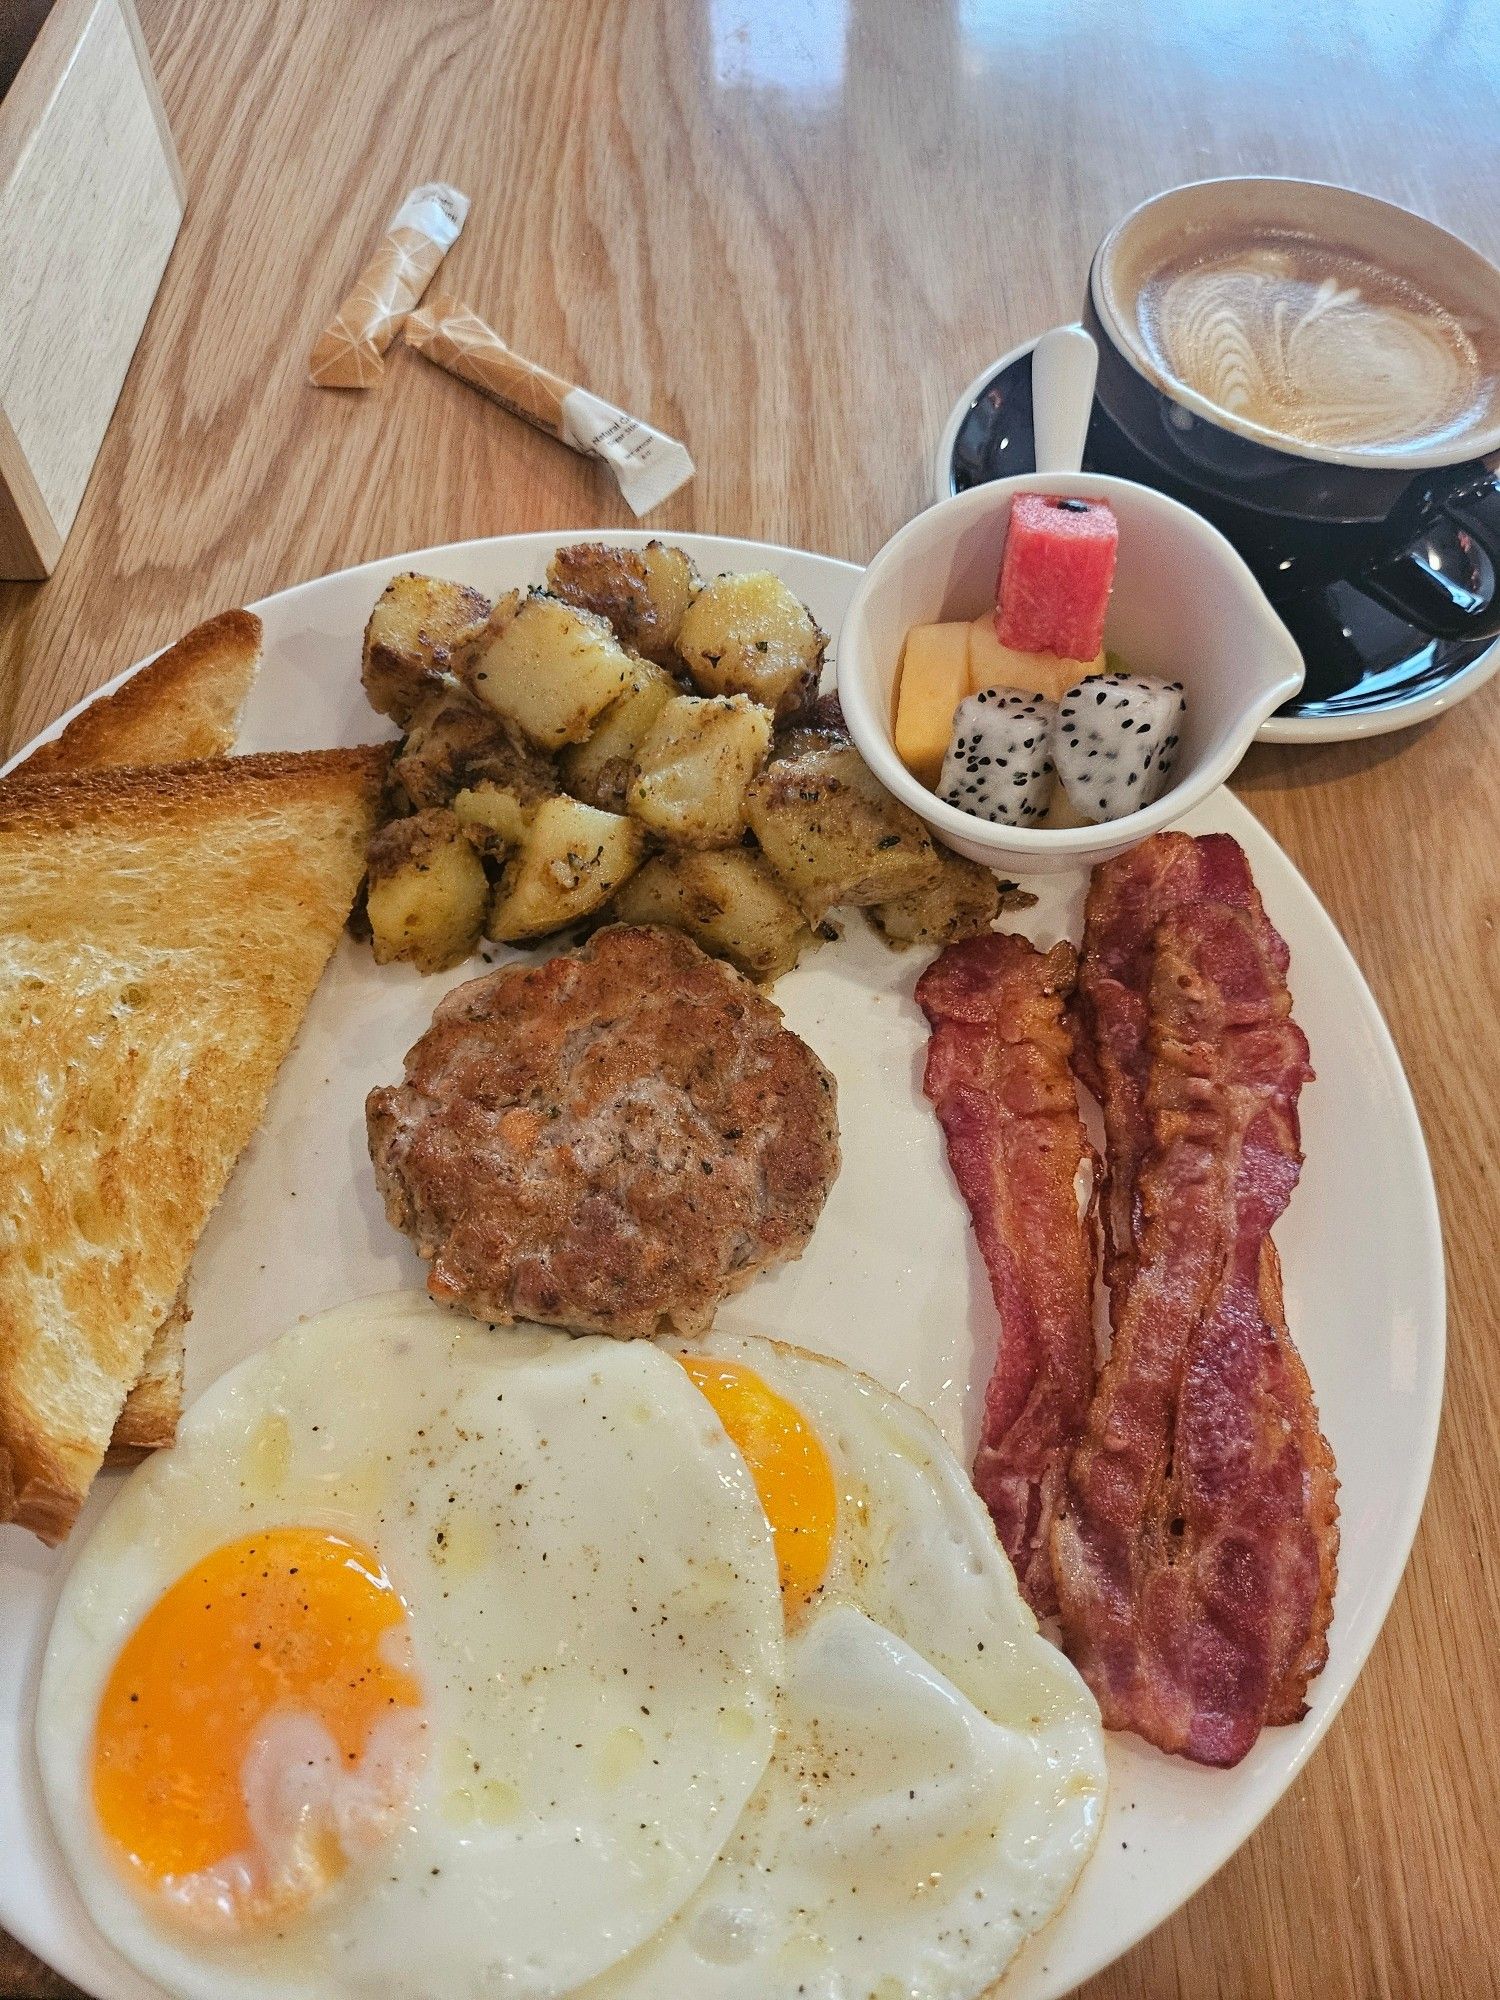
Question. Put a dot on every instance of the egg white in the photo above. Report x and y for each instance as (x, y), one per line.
(594, 1615)
(939, 1780)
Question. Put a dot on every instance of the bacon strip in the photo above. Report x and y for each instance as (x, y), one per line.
(1127, 898)
(998, 1071)
(1195, 1553)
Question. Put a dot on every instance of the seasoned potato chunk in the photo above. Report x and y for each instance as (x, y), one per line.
(750, 635)
(547, 667)
(692, 770)
(962, 902)
(495, 818)
(642, 592)
(835, 835)
(600, 769)
(428, 891)
(414, 633)
(729, 902)
(453, 742)
(819, 726)
(572, 859)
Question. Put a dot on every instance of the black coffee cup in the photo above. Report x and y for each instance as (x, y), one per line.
(1408, 523)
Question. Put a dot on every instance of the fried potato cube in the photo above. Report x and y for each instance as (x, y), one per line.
(820, 726)
(453, 742)
(693, 768)
(963, 902)
(419, 625)
(729, 902)
(599, 769)
(835, 835)
(428, 891)
(750, 635)
(572, 859)
(642, 592)
(547, 667)
(495, 818)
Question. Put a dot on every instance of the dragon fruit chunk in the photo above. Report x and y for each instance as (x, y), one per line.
(999, 760)
(1117, 741)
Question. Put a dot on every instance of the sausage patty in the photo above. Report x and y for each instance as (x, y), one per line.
(612, 1141)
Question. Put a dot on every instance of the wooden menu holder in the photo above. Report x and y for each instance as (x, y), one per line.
(91, 197)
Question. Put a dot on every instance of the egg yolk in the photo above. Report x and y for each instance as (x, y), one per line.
(230, 1769)
(787, 1462)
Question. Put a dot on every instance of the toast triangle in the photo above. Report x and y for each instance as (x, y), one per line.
(161, 933)
(184, 704)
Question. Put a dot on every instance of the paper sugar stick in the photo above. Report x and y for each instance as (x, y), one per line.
(648, 466)
(347, 353)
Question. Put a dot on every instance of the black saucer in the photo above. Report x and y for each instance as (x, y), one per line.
(1367, 669)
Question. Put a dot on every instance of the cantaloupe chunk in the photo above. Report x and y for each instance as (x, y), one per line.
(934, 680)
(993, 665)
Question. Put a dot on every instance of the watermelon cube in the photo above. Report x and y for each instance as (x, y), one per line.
(1054, 581)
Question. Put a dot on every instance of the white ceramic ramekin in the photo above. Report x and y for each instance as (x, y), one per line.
(1184, 606)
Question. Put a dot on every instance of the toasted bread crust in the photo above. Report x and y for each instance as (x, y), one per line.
(45, 804)
(148, 1421)
(162, 930)
(184, 704)
(37, 1491)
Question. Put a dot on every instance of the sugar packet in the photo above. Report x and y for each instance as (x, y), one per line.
(647, 465)
(348, 352)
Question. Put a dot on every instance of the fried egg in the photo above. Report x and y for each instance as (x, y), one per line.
(939, 1778)
(430, 1661)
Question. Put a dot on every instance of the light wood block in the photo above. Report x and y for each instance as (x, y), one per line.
(91, 197)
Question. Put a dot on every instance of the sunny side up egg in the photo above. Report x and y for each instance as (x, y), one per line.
(439, 1663)
(428, 1662)
(939, 1780)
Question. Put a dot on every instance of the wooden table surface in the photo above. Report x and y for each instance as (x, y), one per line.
(790, 231)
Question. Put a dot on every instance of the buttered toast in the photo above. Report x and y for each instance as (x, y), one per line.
(184, 704)
(161, 933)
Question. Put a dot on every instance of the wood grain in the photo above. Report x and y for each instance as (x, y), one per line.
(789, 233)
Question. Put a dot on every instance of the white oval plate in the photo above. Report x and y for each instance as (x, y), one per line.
(890, 1281)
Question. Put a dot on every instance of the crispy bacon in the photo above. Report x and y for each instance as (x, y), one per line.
(1127, 898)
(998, 1071)
(1195, 1552)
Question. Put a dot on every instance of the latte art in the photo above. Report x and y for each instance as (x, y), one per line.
(1315, 344)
